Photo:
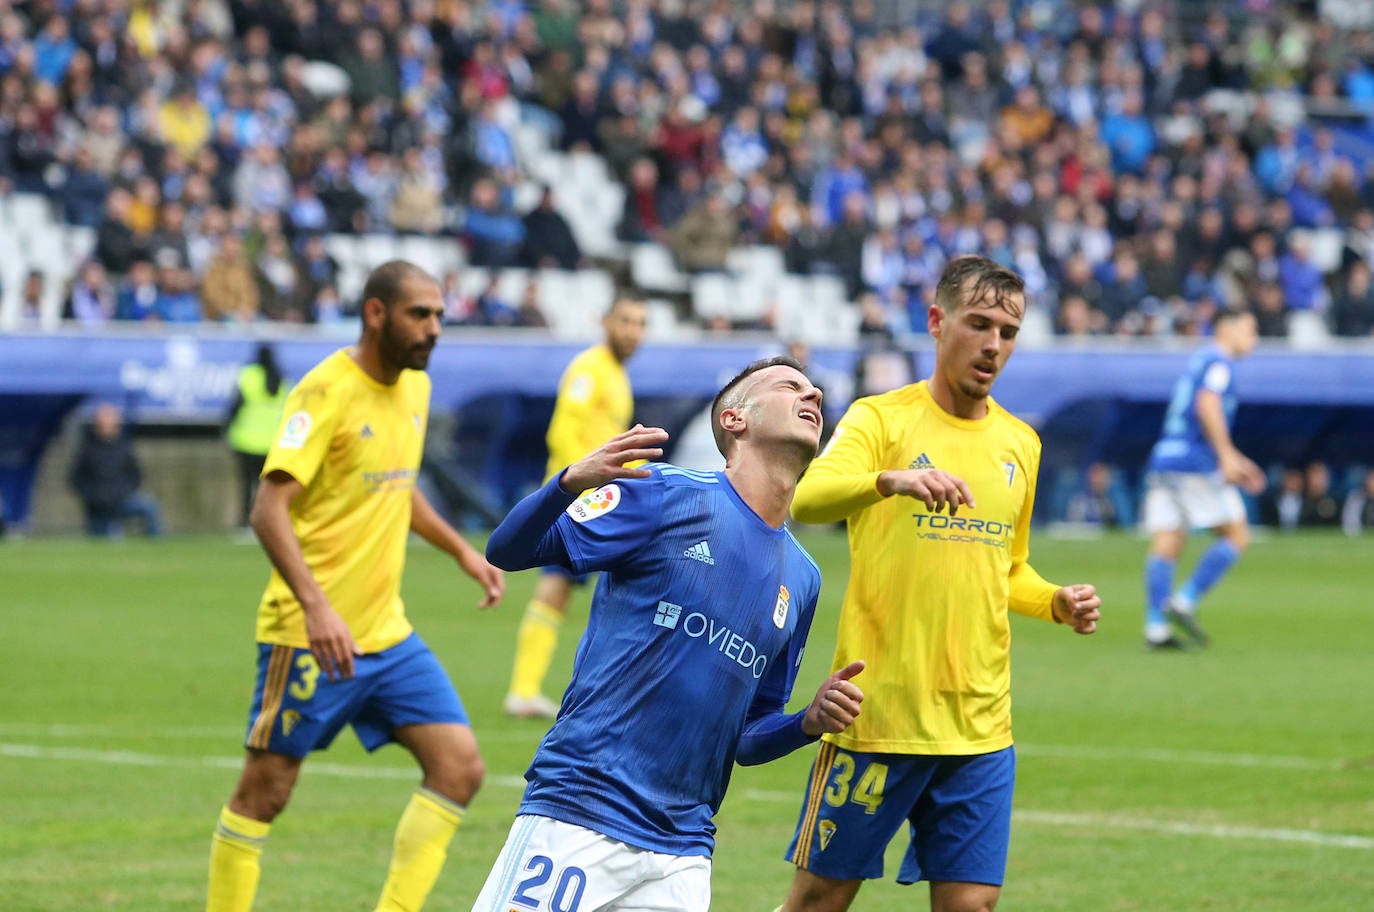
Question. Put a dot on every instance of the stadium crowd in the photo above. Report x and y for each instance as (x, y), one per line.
(1140, 166)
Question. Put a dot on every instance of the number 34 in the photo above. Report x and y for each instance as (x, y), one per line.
(868, 791)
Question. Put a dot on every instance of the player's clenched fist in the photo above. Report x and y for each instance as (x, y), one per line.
(1078, 607)
(837, 703)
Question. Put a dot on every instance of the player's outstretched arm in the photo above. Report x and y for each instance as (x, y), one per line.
(426, 522)
(1078, 606)
(331, 642)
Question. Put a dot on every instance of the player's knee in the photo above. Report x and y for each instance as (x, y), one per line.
(950, 897)
(261, 798)
(1238, 536)
(458, 779)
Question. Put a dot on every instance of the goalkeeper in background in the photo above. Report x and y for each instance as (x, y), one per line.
(594, 403)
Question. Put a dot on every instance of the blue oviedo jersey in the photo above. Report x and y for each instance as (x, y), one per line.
(1182, 447)
(696, 626)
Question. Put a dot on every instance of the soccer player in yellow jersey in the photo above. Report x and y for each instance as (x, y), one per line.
(594, 404)
(927, 605)
(337, 501)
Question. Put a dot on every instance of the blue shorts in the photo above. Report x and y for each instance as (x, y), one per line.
(577, 579)
(958, 810)
(298, 709)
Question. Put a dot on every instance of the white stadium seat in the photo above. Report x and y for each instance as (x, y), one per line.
(652, 268)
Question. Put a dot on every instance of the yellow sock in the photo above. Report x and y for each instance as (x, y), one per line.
(422, 839)
(234, 853)
(534, 647)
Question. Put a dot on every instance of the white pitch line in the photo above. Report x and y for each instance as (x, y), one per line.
(533, 734)
(1045, 818)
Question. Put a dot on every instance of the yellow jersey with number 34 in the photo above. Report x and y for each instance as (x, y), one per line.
(594, 404)
(355, 445)
(929, 593)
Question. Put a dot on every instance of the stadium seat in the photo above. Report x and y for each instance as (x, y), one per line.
(713, 295)
(1327, 247)
(652, 268)
(1307, 330)
(29, 211)
(661, 320)
(80, 243)
(764, 264)
(1037, 328)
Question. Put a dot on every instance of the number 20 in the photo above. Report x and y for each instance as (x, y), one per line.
(868, 791)
(572, 878)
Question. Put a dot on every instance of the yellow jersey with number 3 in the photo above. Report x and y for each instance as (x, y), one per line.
(928, 597)
(594, 404)
(355, 445)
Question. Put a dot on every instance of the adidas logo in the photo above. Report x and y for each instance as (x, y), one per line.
(921, 462)
(701, 551)
(366, 433)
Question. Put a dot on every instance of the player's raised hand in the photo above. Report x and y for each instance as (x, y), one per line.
(935, 488)
(1078, 607)
(837, 703)
(607, 462)
(331, 642)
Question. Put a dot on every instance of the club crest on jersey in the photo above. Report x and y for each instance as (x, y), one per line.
(295, 431)
(780, 609)
(595, 503)
(1010, 469)
(288, 722)
(826, 828)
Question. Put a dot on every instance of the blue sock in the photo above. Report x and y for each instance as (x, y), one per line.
(1159, 580)
(1211, 567)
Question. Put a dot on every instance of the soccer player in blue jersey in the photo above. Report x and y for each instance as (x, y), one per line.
(1193, 472)
(696, 631)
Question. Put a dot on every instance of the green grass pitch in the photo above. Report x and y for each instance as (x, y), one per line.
(1241, 778)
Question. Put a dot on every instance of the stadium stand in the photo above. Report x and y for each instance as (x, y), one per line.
(865, 142)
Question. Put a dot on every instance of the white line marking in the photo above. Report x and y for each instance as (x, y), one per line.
(534, 734)
(1045, 818)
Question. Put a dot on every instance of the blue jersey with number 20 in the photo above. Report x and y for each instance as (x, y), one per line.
(1182, 446)
(697, 625)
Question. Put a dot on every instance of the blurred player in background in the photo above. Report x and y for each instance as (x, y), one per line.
(697, 627)
(1194, 469)
(927, 605)
(594, 404)
(337, 501)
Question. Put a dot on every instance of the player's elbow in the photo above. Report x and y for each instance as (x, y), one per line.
(504, 550)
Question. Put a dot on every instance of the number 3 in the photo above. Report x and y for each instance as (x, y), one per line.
(304, 689)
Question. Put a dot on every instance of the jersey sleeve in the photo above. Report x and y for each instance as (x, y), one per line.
(769, 732)
(612, 525)
(1216, 378)
(312, 413)
(1029, 593)
(844, 478)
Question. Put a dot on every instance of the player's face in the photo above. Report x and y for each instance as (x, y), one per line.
(410, 328)
(786, 406)
(1240, 335)
(625, 329)
(974, 341)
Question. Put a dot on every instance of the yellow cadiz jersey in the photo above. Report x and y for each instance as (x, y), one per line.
(355, 445)
(928, 593)
(594, 404)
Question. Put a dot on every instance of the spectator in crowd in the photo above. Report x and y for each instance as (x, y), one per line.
(1281, 507)
(116, 245)
(177, 300)
(702, 240)
(84, 191)
(530, 313)
(283, 292)
(92, 301)
(493, 233)
(1352, 314)
(418, 205)
(229, 291)
(31, 295)
(549, 241)
(1302, 282)
(643, 219)
(1320, 506)
(106, 477)
(1101, 500)
(1357, 514)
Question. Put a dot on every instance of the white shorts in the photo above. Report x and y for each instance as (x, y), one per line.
(551, 866)
(1177, 501)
